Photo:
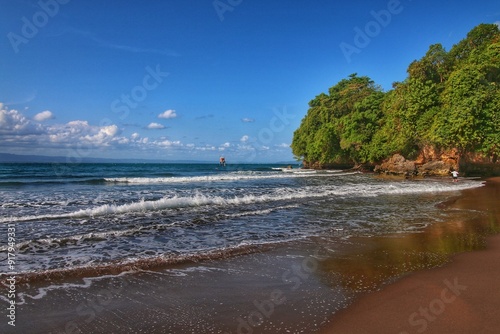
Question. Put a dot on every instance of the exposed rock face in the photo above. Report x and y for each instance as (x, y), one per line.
(429, 154)
(397, 165)
(433, 162)
(435, 167)
(430, 162)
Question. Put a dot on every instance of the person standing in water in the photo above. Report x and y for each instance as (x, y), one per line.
(454, 174)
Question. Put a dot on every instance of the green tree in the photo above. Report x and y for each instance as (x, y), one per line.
(449, 100)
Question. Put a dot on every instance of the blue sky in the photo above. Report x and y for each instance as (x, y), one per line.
(198, 79)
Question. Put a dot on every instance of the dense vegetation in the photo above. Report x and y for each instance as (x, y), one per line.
(448, 100)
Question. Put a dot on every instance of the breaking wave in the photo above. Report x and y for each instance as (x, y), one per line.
(279, 194)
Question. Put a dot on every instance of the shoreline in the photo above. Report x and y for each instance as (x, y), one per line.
(294, 288)
(460, 296)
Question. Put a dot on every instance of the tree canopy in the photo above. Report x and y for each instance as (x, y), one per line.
(448, 100)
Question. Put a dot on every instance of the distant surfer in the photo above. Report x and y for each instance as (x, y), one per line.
(222, 161)
(454, 174)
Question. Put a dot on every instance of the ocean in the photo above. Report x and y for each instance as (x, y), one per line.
(72, 221)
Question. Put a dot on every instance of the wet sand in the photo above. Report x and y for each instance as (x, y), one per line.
(297, 287)
(462, 296)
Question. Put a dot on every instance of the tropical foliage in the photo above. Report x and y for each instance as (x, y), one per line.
(448, 100)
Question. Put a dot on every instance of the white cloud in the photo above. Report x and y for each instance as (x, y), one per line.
(78, 124)
(22, 132)
(76, 132)
(246, 147)
(498, 24)
(10, 119)
(247, 120)
(43, 116)
(31, 135)
(103, 135)
(155, 126)
(224, 146)
(168, 114)
(14, 122)
(110, 130)
(206, 148)
(168, 143)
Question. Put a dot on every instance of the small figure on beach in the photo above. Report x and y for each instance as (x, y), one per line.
(454, 174)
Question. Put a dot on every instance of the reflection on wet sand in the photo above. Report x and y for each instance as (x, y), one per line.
(374, 261)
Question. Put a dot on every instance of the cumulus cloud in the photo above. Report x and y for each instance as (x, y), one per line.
(20, 131)
(247, 120)
(43, 116)
(168, 114)
(32, 135)
(78, 132)
(78, 124)
(103, 135)
(14, 122)
(155, 126)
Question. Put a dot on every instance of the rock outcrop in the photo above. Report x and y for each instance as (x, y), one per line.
(397, 165)
(429, 162)
(433, 162)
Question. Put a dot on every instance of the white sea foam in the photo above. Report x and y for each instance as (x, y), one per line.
(236, 176)
(87, 283)
(192, 179)
(278, 194)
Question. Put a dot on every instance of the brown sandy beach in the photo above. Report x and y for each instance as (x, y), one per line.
(461, 297)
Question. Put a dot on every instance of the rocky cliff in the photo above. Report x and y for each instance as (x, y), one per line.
(433, 162)
(429, 162)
